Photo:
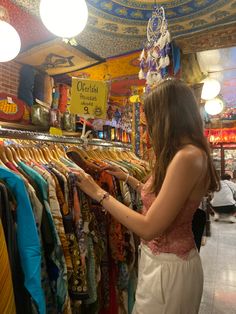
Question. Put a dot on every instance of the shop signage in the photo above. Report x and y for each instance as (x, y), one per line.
(89, 98)
(11, 108)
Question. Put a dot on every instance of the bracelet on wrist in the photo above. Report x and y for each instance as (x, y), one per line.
(106, 195)
(127, 178)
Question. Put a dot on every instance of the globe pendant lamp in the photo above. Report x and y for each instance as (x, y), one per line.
(214, 106)
(211, 88)
(10, 42)
(64, 18)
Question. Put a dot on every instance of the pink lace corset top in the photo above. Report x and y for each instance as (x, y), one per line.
(178, 238)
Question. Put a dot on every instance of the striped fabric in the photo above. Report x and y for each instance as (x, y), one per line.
(7, 302)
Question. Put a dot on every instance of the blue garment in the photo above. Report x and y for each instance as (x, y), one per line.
(39, 180)
(26, 85)
(57, 266)
(27, 238)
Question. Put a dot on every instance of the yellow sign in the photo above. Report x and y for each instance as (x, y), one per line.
(55, 131)
(89, 98)
(6, 107)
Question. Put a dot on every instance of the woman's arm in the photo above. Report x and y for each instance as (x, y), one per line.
(183, 173)
(123, 176)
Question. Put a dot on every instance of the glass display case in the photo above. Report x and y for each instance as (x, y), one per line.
(224, 157)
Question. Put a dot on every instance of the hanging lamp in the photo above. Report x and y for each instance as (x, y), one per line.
(64, 18)
(214, 106)
(211, 88)
(10, 42)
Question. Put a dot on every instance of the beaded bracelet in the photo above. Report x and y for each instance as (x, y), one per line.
(105, 195)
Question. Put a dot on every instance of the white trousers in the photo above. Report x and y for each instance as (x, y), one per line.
(168, 284)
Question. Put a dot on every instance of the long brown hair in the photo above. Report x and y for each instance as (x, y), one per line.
(172, 114)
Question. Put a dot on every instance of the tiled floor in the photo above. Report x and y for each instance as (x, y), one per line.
(219, 265)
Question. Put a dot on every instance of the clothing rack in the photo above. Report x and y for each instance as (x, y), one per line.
(36, 136)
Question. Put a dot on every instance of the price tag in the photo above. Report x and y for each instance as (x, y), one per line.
(89, 98)
(55, 131)
(9, 100)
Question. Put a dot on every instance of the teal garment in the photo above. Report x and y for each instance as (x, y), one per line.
(69, 163)
(39, 180)
(60, 286)
(27, 238)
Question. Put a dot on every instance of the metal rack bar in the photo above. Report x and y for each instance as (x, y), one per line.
(29, 135)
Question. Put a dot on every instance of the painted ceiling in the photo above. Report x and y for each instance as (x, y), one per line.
(119, 26)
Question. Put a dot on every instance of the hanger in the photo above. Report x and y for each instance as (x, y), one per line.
(22, 153)
(42, 160)
(9, 155)
(3, 155)
(14, 154)
(82, 153)
(92, 154)
(47, 155)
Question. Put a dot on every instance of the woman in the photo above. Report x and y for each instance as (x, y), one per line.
(170, 272)
(223, 201)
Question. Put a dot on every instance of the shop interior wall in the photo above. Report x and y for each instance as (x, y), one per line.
(9, 77)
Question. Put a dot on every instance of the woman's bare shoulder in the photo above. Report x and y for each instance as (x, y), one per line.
(191, 154)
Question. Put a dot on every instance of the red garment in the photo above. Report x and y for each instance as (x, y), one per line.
(11, 166)
(63, 90)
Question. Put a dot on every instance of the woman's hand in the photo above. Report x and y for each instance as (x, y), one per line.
(116, 172)
(89, 186)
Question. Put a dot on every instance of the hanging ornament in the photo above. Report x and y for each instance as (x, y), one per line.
(154, 58)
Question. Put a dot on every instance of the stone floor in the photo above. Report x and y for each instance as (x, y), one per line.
(219, 265)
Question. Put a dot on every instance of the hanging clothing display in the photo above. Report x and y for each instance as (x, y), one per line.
(71, 257)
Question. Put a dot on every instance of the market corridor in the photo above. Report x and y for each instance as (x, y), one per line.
(219, 265)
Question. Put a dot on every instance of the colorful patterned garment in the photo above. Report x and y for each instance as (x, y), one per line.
(119, 254)
(63, 301)
(82, 286)
(56, 266)
(7, 302)
(74, 281)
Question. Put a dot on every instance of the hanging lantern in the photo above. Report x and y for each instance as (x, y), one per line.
(211, 88)
(214, 106)
(9, 38)
(64, 18)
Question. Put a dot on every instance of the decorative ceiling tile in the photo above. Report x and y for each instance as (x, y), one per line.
(56, 57)
(118, 26)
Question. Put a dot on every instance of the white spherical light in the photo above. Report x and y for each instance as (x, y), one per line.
(64, 18)
(211, 88)
(10, 42)
(214, 106)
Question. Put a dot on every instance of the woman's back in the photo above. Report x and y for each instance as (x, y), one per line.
(178, 237)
